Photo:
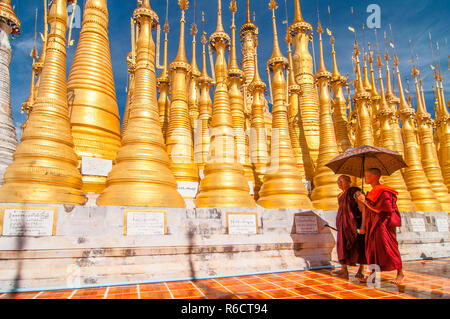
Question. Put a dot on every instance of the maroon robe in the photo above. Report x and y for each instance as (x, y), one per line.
(381, 237)
(349, 244)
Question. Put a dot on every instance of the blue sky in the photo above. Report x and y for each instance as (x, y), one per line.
(409, 19)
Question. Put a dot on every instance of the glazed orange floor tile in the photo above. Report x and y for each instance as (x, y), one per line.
(425, 279)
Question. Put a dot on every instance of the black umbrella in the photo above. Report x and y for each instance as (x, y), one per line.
(354, 161)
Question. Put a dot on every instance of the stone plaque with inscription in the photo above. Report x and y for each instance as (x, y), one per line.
(442, 224)
(95, 166)
(141, 223)
(32, 222)
(306, 224)
(242, 224)
(188, 190)
(418, 225)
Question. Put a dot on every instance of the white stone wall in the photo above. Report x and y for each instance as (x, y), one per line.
(8, 140)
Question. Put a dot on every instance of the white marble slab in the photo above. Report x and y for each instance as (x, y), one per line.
(95, 166)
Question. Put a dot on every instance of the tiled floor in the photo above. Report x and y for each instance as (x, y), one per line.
(424, 279)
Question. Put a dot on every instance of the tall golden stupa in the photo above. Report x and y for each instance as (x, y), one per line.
(224, 184)
(141, 176)
(282, 187)
(91, 94)
(44, 169)
(179, 141)
(302, 33)
(325, 189)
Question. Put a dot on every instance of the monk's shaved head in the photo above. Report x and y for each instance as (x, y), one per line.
(374, 171)
(345, 178)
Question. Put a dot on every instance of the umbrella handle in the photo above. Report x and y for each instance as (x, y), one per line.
(362, 172)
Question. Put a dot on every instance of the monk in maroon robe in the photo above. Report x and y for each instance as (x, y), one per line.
(349, 244)
(382, 219)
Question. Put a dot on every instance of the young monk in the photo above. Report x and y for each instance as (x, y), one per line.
(349, 244)
(382, 218)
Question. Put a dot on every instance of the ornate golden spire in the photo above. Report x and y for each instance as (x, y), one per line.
(375, 99)
(428, 152)
(259, 152)
(236, 79)
(301, 31)
(194, 74)
(202, 139)
(223, 163)
(94, 113)
(367, 85)
(364, 134)
(385, 116)
(131, 60)
(45, 165)
(294, 113)
(339, 105)
(141, 176)
(163, 83)
(282, 187)
(420, 189)
(325, 189)
(179, 134)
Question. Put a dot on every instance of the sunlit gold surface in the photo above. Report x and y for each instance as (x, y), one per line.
(7, 14)
(45, 165)
(259, 153)
(294, 115)
(339, 104)
(429, 157)
(282, 187)
(236, 79)
(301, 32)
(420, 189)
(141, 176)
(202, 138)
(193, 88)
(91, 94)
(163, 84)
(375, 100)
(180, 145)
(396, 180)
(224, 184)
(325, 189)
(443, 133)
(130, 92)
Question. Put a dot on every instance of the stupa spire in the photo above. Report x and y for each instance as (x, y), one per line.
(194, 74)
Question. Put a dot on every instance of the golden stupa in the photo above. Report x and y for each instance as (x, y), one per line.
(131, 61)
(194, 74)
(429, 156)
(141, 176)
(179, 141)
(259, 153)
(45, 164)
(202, 138)
(91, 94)
(302, 33)
(163, 84)
(325, 189)
(420, 189)
(385, 115)
(339, 104)
(375, 100)
(224, 184)
(282, 187)
(295, 131)
(236, 78)
(443, 130)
